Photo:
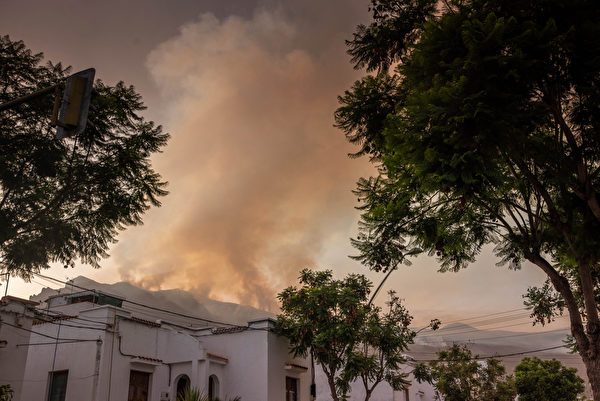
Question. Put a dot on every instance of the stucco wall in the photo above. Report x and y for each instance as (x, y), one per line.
(13, 342)
(251, 362)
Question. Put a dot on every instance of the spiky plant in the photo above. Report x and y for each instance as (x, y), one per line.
(194, 394)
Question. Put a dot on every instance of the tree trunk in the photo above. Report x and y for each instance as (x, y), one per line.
(332, 389)
(592, 366)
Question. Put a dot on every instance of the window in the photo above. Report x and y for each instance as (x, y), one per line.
(291, 389)
(183, 383)
(138, 386)
(57, 385)
(213, 387)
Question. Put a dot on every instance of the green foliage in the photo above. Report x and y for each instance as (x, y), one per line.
(324, 316)
(458, 376)
(377, 356)
(483, 123)
(538, 379)
(349, 338)
(545, 303)
(66, 199)
(194, 394)
(6, 392)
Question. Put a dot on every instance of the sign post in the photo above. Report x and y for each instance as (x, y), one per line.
(71, 111)
(75, 103)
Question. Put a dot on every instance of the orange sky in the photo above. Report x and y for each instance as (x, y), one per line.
(259, 178)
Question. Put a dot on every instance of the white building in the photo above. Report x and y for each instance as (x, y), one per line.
(16, 317)
(104, 353)
(87, 346)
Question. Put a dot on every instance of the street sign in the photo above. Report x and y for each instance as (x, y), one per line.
(75, 103)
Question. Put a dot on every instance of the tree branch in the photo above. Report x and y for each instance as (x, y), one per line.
(561, 284)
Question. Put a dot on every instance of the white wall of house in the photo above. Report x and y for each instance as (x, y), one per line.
(250, 362)
(16, 317)
(100, 345)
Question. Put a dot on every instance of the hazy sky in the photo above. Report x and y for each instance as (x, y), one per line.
(259, 178)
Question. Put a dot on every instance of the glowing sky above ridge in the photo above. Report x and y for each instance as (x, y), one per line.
(259, 178)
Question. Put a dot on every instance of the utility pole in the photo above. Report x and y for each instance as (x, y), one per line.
(7, 279)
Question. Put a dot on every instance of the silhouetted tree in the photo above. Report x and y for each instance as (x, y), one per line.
(458, 376)
(538, 379)
(482, 117)
(62, 200)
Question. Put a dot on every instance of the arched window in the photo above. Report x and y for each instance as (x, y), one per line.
(213, 387)
(183, 383)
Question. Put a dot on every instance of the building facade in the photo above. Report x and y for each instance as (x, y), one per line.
(16, 318)
(88, 346)
(94, 349)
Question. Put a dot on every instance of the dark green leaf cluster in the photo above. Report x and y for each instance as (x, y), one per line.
(349, 338)
(6, 392)
(479, 129)
(458, 376)
(483, 121)
(378, 355)
(545, 303)
(547, 380)
(63, 200)
(325, 316)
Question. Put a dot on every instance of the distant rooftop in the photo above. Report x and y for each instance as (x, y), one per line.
(92, 296)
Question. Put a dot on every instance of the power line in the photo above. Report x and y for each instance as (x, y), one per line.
(512, 335)
(59, 342)
(462, 330)
(62, 323)
(484, 322)
(41, 334)
(495, 356)
(62, 315)
(486, 315)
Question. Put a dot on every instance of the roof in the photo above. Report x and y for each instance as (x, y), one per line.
(17, 299)
(144, 321)
(146, 359)
(52, 319)
(227, 330)
(87, 292)
(215, 356)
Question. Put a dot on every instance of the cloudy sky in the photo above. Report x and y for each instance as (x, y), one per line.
(259, 178)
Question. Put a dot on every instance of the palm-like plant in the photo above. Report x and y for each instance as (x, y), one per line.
(194, 394)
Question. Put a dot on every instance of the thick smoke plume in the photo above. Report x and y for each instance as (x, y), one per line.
(259, 177)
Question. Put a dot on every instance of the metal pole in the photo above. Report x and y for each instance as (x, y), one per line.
(7, 279)
(380, 284)
(313, 386)
(411, 252)
(26, 98)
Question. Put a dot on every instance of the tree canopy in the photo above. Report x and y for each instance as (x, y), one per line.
(457, 375)
(547, 380)
(349, 338)
(482, 118)
(63, 200)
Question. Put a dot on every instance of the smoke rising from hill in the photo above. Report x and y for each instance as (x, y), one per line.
(260, 176)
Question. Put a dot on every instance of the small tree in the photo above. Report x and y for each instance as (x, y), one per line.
(377, 357)
(538, 379)
(62, 200)
(458, 376)
(349, 338)
(6, 392)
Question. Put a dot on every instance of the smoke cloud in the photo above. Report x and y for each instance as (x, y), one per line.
(259, 177)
